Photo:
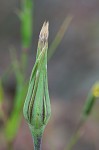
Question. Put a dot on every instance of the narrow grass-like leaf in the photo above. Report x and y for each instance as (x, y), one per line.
(59, 36)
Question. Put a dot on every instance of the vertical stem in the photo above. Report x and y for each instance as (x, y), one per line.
(73, 140)
(37, 142)
(76, 135)
(10, 145)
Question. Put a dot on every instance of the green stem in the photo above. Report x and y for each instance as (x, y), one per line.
(73, 140)
(13, 122)
(76, 136)
(37, 139)
(10, 146)
(59, 36)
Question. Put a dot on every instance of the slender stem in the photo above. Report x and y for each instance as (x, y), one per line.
(37, 142)
(73, 140)
(76, 136)
(59, 36)
(10, 145)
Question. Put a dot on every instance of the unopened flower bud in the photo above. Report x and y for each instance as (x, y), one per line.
(37, 108)
(93, 95)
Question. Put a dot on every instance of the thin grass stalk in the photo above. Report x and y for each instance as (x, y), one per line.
(59, 36)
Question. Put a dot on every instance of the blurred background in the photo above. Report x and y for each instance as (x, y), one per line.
(72, 69)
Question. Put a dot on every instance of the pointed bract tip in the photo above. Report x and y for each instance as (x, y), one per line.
(44, 33)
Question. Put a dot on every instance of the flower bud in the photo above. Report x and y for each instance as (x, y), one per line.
(37, 108)
(94, 94)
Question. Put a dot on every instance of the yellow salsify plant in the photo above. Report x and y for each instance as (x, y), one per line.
(19, 68)
(37, 109)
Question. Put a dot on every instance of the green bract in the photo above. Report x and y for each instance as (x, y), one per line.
(37, 108)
